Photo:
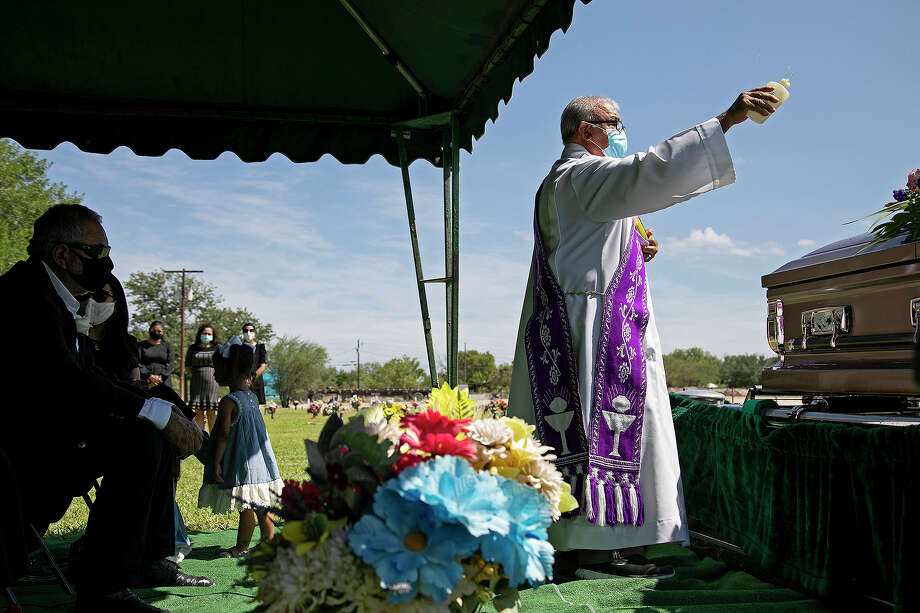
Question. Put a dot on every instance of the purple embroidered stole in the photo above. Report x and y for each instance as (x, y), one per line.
(602, 467)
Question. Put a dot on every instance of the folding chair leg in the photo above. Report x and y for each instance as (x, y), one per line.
(65, 585)
(14, 604)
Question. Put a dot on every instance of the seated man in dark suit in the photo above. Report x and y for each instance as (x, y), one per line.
(130, 527)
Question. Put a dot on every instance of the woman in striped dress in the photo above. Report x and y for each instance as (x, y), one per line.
(199, 362)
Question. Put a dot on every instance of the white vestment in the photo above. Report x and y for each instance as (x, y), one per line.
(586, 207)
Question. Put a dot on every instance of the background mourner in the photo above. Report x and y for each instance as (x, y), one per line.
(157, 357)
(203, 391)
(260, 357)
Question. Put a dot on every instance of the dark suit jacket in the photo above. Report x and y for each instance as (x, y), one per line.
(54, 400)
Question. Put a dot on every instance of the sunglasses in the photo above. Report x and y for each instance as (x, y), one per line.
(100, 295)
(95, 252)
(617, 123)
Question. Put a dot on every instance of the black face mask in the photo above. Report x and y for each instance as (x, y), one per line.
(95, 272)
(156, 336)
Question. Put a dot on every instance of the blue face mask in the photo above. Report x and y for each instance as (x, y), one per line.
(206, 338)
(616, 143)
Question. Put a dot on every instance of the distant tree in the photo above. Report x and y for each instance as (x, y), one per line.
(743, 370)
(401, 372)
(25, 193)
(500, 382)
(691, 367)
(475, 369)
(297, 366)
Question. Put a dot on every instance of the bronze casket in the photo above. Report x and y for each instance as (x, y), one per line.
(843, 320)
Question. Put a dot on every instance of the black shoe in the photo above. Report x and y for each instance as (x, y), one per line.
(124, 601)
(234, 552)
(166, 573)
(635, 566)
(37, 572)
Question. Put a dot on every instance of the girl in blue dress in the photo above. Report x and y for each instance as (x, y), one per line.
(241, 472)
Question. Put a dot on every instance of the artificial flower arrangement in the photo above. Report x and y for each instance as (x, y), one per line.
(497, 407)
(314, 409)
(333, 408)
(902, 215)
(439, 509)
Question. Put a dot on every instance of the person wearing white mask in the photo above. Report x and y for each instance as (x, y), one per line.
(588, 369)
(249, 339)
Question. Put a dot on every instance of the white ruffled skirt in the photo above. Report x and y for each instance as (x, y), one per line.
(246, 496)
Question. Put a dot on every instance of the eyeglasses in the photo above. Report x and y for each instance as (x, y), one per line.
(95, 252)
(100, 295)
(103, 295)
(617, 123)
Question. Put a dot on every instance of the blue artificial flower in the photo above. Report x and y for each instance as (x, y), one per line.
(900, 195)
(409, 549)
(457, 493)
(524, 553)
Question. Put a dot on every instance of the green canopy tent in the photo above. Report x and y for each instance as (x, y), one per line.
(407, 79)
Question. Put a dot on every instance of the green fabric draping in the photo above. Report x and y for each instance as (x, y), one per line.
(830, 508)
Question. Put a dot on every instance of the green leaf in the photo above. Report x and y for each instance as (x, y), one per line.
(317, 462)
(367, 446)
(333, 424)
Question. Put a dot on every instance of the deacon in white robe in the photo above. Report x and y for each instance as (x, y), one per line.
(586, 206)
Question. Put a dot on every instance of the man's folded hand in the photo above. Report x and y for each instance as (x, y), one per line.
(183, 434)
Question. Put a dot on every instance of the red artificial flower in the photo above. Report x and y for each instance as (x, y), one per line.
(305, 494)
(432, 422)
(336, 476)
(406, 460)
(446, 444)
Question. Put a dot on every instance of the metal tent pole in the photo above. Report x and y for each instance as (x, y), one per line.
(448, 251)
(455, 247)
(413, 235)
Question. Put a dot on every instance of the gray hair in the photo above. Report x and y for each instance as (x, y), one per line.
(62, 223)
(583, 108)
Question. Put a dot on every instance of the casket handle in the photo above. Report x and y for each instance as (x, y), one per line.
(825, 321)
(915, 318)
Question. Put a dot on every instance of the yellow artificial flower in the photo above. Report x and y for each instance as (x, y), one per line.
(520, 429)
(451, 402)
(567, 502)
(293, 532)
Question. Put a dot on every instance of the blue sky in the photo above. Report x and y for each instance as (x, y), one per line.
(321, 250)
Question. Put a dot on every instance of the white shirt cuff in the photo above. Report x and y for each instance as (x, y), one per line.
(156, 411)
(720, 158)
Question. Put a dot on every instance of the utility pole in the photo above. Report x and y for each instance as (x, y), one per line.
(358, 349)
(182, 330)
(466, 366)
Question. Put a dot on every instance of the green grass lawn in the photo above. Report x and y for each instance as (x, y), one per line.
(287, 433)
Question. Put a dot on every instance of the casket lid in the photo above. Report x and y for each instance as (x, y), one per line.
(843, 257)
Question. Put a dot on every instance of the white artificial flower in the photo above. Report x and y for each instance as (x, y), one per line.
(489, 432)
(545, 478)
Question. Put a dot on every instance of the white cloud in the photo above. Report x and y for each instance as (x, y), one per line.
(806, 242)
(708, 241)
